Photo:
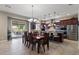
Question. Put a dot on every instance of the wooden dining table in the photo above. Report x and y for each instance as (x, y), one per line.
(38, 38)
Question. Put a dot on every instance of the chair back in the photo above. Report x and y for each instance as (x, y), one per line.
(30, 36)
(25, 35)
(46, 38)
(51, 35)
(60, 37)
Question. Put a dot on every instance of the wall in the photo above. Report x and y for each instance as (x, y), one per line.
(3, 23)
(3, 26)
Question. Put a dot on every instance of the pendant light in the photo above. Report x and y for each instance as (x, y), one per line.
(33, 26)
(32, 12)
(52, 20)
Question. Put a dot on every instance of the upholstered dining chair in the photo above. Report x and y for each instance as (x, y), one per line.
(26, 41)
(45, 41)
(60, 37)
(32, 41)
(51, 37)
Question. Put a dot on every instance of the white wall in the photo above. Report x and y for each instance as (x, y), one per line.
(3, 23)
(3, 26)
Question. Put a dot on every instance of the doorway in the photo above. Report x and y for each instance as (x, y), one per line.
(17, 30)
(17, 27)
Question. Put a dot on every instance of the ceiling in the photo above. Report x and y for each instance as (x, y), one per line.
(41, 11)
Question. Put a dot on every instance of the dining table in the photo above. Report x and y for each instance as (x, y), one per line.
(38, 38)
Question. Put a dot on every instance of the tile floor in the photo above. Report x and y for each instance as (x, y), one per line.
(15, 47)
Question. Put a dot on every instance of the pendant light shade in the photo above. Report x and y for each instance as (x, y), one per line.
(33, 24)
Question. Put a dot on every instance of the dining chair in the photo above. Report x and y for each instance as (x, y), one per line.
(60, 37)
(51, 37)
(45, 41)
(26, 41)
(23, 38)
(32, 41)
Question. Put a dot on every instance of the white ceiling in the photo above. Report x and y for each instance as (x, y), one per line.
(41, 11)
